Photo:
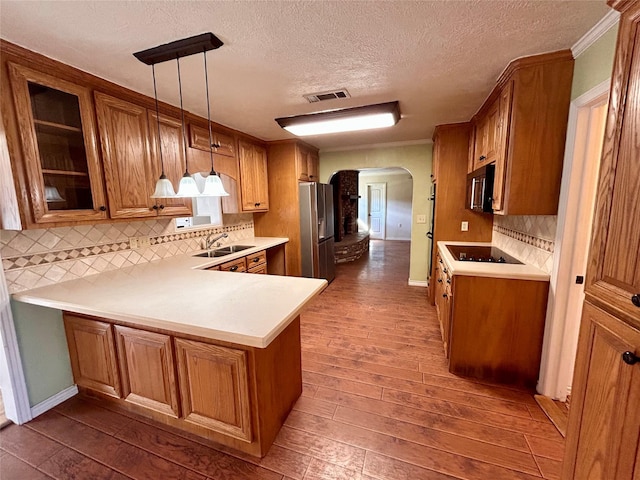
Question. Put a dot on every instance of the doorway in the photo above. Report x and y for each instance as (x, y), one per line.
(377, 210)
(587, 118)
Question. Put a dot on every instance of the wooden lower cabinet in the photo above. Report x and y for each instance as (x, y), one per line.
(147, 369)
(443, 297)
(93, 354)
(214, 387)
(603, 436)
(232, 395)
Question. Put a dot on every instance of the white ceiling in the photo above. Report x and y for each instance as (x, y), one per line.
(440, 59)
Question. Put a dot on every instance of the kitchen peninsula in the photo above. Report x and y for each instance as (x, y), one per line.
(212, 353)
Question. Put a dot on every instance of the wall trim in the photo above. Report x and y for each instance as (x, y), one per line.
(599, 29)
(424, 141)
(418, 283)
(54, 401)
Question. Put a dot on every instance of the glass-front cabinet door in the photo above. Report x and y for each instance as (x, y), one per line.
(60, 154)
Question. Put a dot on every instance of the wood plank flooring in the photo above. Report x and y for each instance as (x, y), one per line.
(378, 403)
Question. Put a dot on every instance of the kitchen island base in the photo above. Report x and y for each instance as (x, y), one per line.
(234, 395)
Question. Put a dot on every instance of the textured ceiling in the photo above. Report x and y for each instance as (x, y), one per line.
(440, 59)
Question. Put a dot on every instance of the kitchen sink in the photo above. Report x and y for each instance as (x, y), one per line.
(231, 249)
(221, 252)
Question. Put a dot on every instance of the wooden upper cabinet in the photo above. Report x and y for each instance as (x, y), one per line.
(173, 158)
(254, 184)
(214, 387)
(129, 172)
(147, 369)
(501, 140)
(313, 166)
(487, 136)
(199, 138)
(302, 164)
(604, 421)
(92, 353)
(58, 139)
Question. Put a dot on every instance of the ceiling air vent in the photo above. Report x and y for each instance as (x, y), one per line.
(320, 97)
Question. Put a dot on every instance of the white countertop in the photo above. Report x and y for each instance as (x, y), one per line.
(176, 294)
(483, 269)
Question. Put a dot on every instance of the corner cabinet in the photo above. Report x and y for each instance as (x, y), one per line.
(254, 182)
(58, 136)
(521, 129)
(603, 437)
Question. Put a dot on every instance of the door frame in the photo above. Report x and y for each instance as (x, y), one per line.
(561, 334)
(383, 188)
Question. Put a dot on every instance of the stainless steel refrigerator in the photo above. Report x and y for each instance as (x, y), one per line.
(316, 230)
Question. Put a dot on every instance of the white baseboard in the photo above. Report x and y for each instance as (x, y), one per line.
(51, 402)
(419, 283)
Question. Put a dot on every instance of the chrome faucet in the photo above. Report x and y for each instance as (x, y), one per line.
(210, 241)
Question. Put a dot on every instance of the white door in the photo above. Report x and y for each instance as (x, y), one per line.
(377, 199)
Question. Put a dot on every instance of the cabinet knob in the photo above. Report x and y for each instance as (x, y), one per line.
(155, 207)
(102, 208)
(630, 358)
(257, 204)
(445, 270)
(256, 260)
(636, 299)
(444, 295)
(482, 157)
(161, 207)
(234, 268)
(439, 280)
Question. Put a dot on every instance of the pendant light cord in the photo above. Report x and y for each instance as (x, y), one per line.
(155, 94)
(206, 83)
(184, 134)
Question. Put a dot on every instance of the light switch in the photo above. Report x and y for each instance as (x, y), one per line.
(421, 219)
(464, 227)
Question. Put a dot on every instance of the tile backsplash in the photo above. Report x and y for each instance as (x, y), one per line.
(529, 238)
(34, 258)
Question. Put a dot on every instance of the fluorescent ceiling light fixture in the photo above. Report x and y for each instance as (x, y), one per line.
(367, 117)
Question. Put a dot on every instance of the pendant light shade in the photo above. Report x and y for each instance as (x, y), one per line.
(164, 188)
(51, 194)
(188, 187)
(213, 187)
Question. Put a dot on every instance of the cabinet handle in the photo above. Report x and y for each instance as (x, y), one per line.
(445, 270)
(444, 295)
(161, 207)
(448, 280)
(102, 208)
(234, 268)
(311, 176)
(155, 207)
(439, 280)
(482, 157)
(256, 204)
(256, 260)
(630, 358)
(636, 299)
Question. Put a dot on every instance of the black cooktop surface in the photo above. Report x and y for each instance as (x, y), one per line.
(475, 253)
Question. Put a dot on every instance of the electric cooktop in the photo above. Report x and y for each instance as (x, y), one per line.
(475, 253)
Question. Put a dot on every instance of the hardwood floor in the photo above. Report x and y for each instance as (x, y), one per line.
(378, 403)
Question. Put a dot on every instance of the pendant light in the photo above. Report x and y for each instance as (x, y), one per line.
(187, 187)
(213, 185)
(164, 188)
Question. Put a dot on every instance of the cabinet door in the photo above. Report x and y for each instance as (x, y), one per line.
(173, 158)
(302, 165)
(604, 420)
(502, 141)
(147, 369)
(492, 132)
(615, 250)
(214, 387)
(480, 142)
(58, 137)
(199, 138)
(129, 173)
(93, 354)
(313, 167)
(254, 185)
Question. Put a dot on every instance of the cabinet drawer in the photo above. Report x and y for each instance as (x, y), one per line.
(261, 269)
(238, 265)
(255, 259)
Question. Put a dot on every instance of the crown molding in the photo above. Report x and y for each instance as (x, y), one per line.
(378, 145)
(599, 29)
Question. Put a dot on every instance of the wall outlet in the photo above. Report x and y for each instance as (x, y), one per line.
(421, 219)
(144, 242)
(133, 243)
(464, 227)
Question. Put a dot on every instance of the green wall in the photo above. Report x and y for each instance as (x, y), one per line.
(43, 350)
(414, 158)
(594, 65)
